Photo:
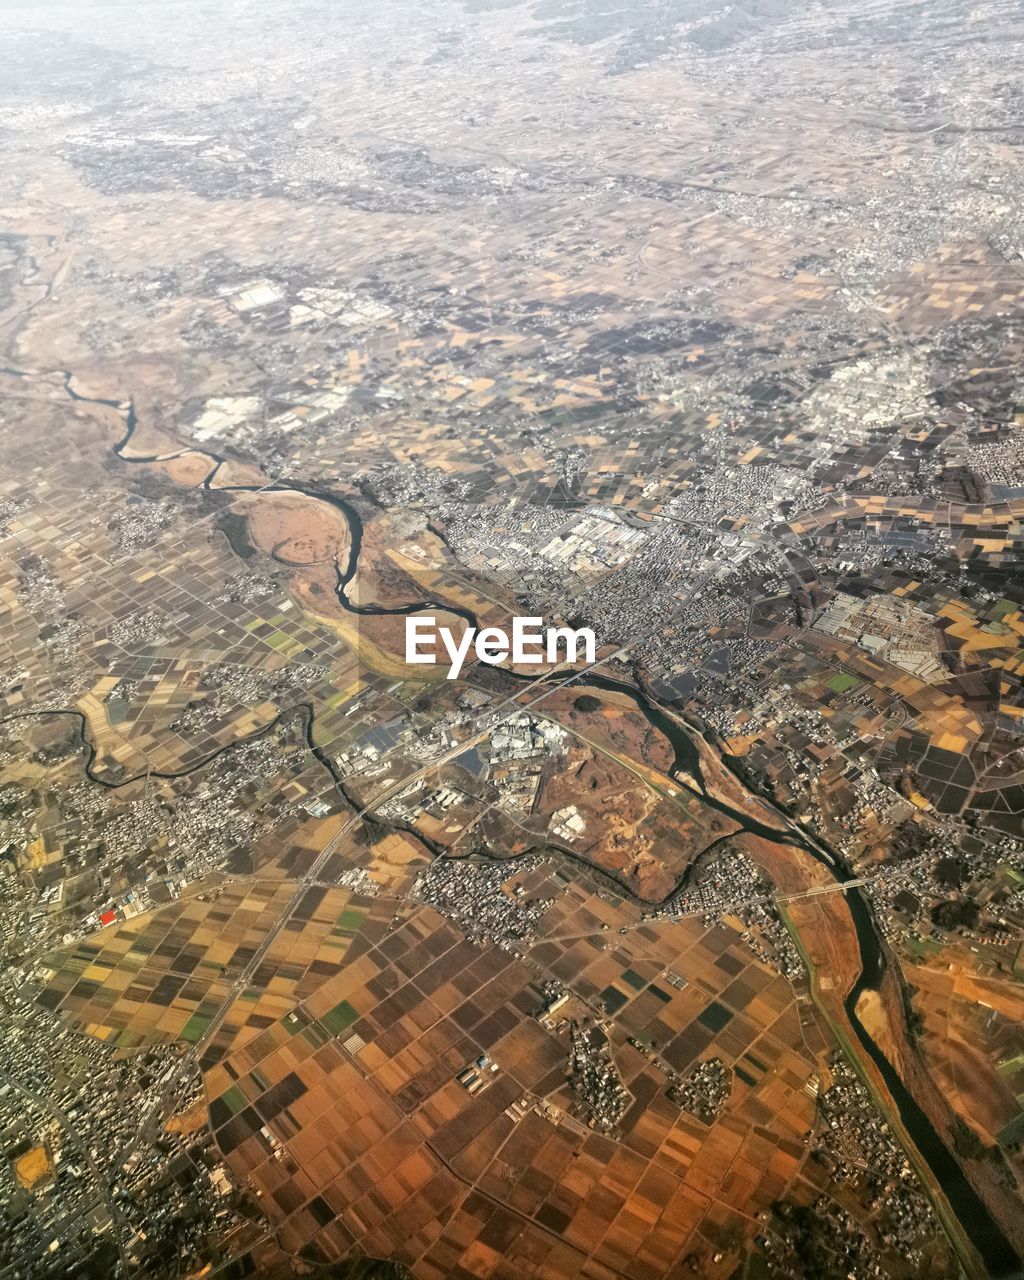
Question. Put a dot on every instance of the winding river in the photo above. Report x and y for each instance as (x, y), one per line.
(979, 1226)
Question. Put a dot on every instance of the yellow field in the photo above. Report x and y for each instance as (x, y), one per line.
(33, 1168)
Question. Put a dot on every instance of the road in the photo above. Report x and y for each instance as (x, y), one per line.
(99, 1179)
(490, 721)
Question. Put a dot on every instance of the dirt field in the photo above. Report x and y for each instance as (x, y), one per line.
(957, 1051)
(188, 469)
(616, 724)
(296, 530)
(33, 1168)
(191, 1120)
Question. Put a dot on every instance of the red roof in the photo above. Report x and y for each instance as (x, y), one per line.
(108, 917)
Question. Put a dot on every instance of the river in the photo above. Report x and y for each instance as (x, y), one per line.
(978, 1225)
